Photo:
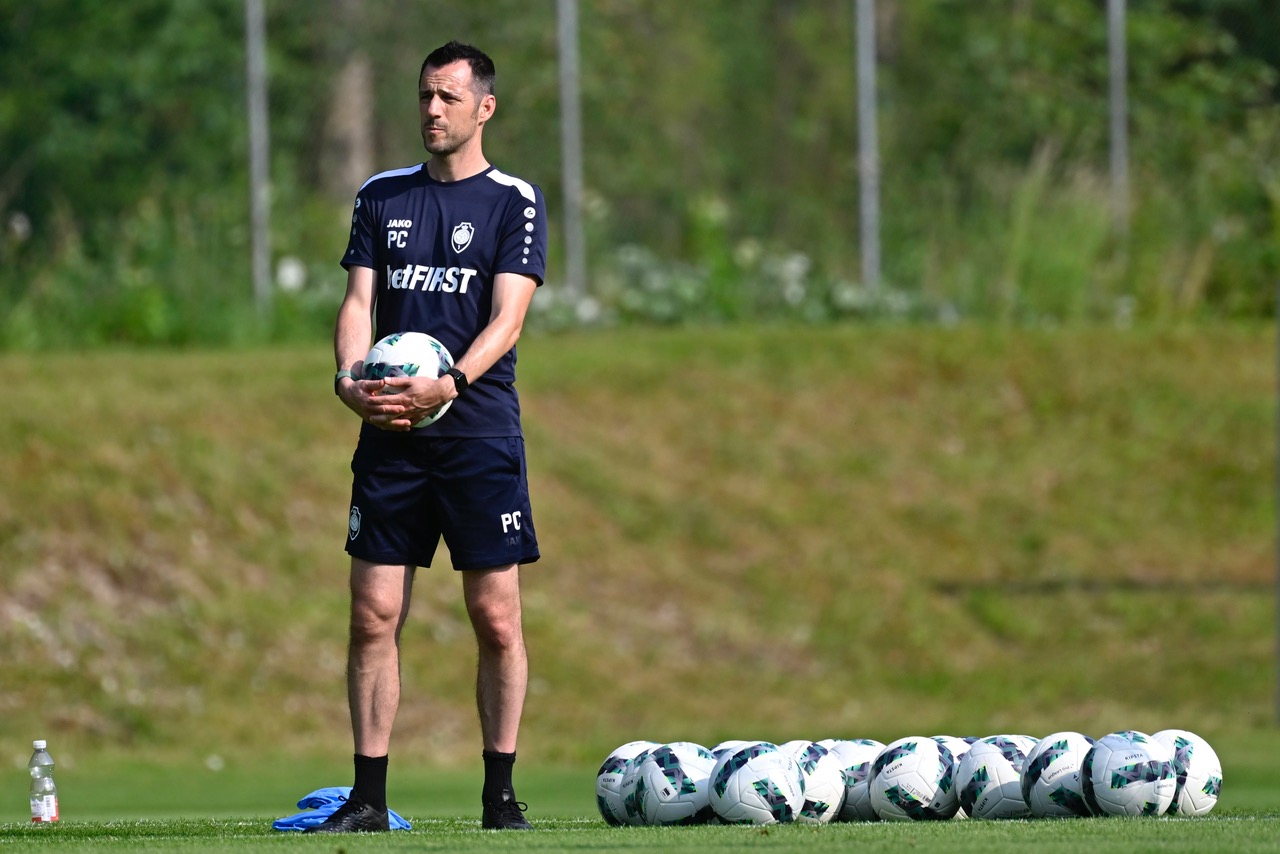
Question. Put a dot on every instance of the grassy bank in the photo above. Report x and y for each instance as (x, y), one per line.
(779, 533)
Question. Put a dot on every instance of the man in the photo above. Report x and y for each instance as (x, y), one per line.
(453, 248)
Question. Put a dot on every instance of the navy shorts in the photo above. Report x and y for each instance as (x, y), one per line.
(407, 493)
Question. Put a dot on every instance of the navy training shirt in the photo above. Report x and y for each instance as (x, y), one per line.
(435, 248)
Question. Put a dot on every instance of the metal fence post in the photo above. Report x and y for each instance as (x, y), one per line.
(259, 154)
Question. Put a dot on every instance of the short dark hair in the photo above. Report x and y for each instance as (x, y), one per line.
(483, 74)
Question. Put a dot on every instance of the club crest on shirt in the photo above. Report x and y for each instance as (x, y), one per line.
(462, 234)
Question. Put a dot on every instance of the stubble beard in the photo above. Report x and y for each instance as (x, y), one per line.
(450, 142)
(445, 145)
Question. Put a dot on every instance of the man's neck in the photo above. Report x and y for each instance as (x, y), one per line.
(447, 168)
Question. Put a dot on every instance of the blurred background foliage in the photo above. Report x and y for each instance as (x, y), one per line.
(721, 159)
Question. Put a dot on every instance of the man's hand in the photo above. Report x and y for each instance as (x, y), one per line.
(364, 398)
(396, 403)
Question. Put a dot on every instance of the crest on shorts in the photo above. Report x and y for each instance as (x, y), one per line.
(462, 234)
(353, 523)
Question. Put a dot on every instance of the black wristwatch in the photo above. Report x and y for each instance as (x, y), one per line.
(459, 380)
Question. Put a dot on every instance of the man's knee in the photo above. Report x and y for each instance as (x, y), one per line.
(373, 620)
(379, 599)
(497, 624)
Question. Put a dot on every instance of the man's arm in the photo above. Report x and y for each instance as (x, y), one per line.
(512, 294)
(352, 335)
(354, 330)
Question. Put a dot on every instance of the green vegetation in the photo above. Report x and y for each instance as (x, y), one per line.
(721, 180)
(805, 532)
(1109, 836)
(1031, 489)
(121, 805)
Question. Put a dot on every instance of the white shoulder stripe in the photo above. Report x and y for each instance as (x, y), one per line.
(525, 188)
(391, 173)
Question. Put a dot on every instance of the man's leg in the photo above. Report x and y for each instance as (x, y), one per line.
(502, 676)
(380, 597)
(379, 605)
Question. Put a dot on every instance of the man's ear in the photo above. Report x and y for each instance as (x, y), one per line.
(487, 106)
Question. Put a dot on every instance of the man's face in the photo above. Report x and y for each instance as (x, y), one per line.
(450, 109)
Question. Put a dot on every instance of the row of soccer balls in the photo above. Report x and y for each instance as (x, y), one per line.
(915, 778)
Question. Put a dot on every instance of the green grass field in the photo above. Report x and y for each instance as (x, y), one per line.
(1227, 833)
(124, 806)
(229, 815)
(748, 533)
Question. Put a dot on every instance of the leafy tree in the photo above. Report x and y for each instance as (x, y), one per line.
(720, 144)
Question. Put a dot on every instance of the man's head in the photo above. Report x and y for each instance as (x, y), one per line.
(483, 74)
(455, 99)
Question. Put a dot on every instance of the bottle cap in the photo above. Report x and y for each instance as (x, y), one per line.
(39, 744)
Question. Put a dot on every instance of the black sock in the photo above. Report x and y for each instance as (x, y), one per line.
(371, 780)
(497, 776)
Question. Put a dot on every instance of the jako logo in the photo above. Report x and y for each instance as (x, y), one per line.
(446, 279)
(398, 232)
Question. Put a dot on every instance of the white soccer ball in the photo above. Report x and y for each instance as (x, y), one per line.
(630, 809)
(728, 747)
(989, 779)
(958, 747)
(409, 354)
(1197, 772)
(823, 784)
(1051, 783)
(856, 757)
(767, 788)
(672, 784)
(911, 780)
(734, 757)
(609, 779)
(1128, 773)
(794, 747)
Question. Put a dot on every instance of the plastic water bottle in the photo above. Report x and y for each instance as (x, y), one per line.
(44, 793)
